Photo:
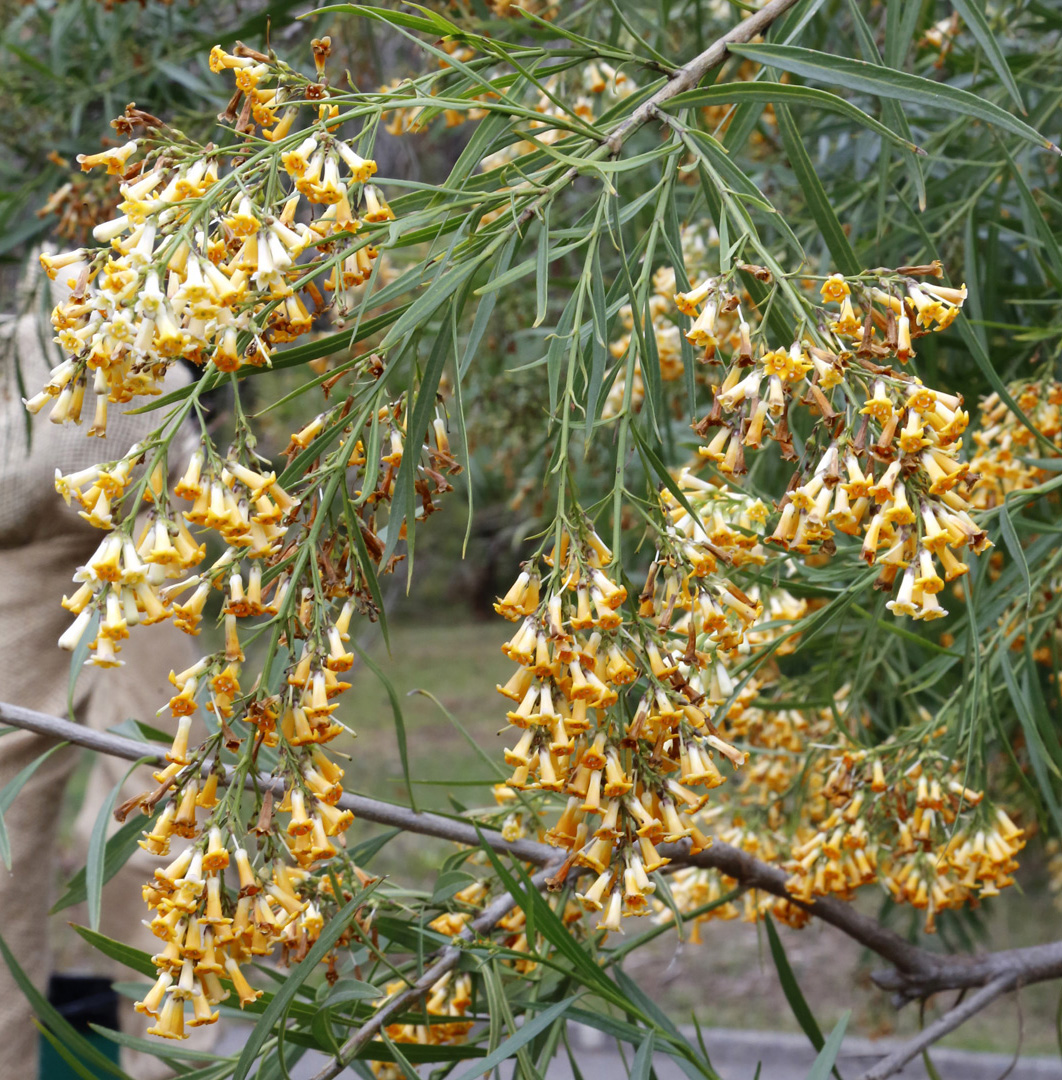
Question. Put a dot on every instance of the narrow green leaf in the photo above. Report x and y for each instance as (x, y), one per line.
(866, 78)
(487, 130)
(285, 996)
(61, 1028)
(528, 1030)
(559, 341)
(77, 663)
(790, 94)
(824, 1063)
(156, 1047)
(531, 902)
(1017, 553)
(972, 267)
(418, 1055)
(11, 790)
(744, 121)
(97, 849)
(817, 200)
(448, 884)
(542, 270)
(71, 1061)
(5, 844)
(394, 18)
(1035, 217)
(931, 1069)
(1039, 755)
(345, 992)
(490, 761)
(368, 568)
(972, 12)
(419, 407)
(431, 300)
(642, 1065)
(891, 109)
(656, 466)
(598, 347)
(791, 988)
(132, 958)
(901, 22)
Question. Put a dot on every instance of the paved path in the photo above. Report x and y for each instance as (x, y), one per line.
(736, 1054)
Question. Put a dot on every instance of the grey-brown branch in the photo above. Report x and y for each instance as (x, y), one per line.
(445, 960)
(683, 79)
(915, 973)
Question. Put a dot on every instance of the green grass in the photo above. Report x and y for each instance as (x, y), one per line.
(459, 664)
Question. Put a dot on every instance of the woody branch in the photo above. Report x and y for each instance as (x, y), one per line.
(916, 972)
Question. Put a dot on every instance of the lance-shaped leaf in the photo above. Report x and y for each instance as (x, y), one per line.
(864, 78)
(740, 93)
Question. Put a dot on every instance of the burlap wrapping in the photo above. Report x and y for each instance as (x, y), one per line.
(41, 543)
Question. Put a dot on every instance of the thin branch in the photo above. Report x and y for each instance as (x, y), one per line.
(917, 972)
(685, 78)
(446, 960)
(375, 810)
(894, 1062)
(915, 963)
(688, 76)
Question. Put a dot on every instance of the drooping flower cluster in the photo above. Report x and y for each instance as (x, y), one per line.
(207, 932)
(884, 461)
(202, 266)
(839, 819)
(618, 703)
(203, 263)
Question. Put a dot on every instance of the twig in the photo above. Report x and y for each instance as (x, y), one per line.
(685, 78)
(894, 1062)
(914, 963)
(375, 810)
(446, 959)
(688, 76)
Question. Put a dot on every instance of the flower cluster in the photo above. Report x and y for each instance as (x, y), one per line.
(258, 574)
(204, 944)
(884, 464)
(203, 263)
(1002, 441)
(202, 266)
(446, 1003)
(617, 702)
(897, 816)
